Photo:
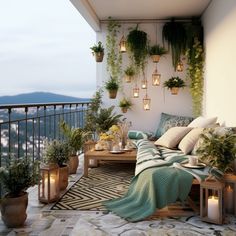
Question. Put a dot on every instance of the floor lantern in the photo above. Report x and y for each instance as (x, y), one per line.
(48, 188)
(211, 201)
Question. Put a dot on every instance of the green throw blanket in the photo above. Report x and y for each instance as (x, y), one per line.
(153, 187)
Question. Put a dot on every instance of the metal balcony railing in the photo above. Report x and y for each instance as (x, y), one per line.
(24, 127)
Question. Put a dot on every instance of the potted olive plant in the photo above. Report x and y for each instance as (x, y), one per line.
(129, 73)
(174, 83)
(57, 152)
(75, 138)
(98, 51)
(16, 178)
(156, 51)
(125, 104)
(112, 87)
(217, 148)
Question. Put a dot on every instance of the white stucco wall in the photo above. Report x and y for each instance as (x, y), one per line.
(162, 100)
(220, 75)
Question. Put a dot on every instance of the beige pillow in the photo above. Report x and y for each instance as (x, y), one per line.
(202, 122)
(188, 142)
(172, 136)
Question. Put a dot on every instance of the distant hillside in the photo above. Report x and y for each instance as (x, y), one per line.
(39, 97)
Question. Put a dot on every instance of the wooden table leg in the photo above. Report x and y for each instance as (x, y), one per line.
(86, 165)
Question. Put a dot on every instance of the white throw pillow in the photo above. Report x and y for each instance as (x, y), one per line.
(172, 136)
(202, 122)
(188, 142)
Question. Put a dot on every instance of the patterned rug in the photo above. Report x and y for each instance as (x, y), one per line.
(109, 180)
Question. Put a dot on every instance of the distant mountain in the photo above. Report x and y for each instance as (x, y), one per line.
(39, 97)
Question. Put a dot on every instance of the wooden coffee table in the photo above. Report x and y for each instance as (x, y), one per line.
(105, 155)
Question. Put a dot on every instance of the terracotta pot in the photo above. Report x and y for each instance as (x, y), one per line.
(124, 109)
(63, 177)
(73, 164)
(128, 79)
(174, 90)
(155, 58)
(13, 210)
(99, 56)
(112, 94)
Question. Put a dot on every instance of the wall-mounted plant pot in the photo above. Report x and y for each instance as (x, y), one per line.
(174, 90)
(99, 56)
(128, 79)
(155, 58)
(124, 109)
(112, 94)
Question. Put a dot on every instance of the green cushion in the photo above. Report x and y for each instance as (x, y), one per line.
(168, 121)
(135, 134)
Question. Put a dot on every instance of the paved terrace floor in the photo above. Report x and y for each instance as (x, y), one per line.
(42, 221)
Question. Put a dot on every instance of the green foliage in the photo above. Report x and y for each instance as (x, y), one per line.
(217, 149)
(111, 84)
(124, 102)
(137, 43)
(129, 71)
(56, 152)
(74, 136)
(97, 48)
(157, 50)
(114, 56)
(174, 82)
(175, 35)
(19, 175)
(195, 71)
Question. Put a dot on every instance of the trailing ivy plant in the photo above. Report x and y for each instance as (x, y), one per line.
(137, 43)
(195, 61)
(114, 56)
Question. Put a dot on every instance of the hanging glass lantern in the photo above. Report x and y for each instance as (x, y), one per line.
(180, 66)
(123, 44)
(136, 92)
(146, 103)
(144, 84)
(156, 78)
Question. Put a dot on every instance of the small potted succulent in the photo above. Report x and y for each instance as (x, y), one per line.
(75, 138)
(156, 51)
(98, 51)
(57, 152)
(129, 73)
(112, 87)
(174, 83)
(16, 178)
(125, 104)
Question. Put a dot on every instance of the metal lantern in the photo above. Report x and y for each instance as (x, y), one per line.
(144, 84)
(48, 188)
(180, 66)
(230, 194)
(136, 92)
(123, 44)
(211, 201)
(156, 78)
(146, 103)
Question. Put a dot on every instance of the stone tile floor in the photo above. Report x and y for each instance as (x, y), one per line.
(42, 221)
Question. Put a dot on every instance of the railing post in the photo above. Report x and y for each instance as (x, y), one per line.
(26, 132)
(9, 133)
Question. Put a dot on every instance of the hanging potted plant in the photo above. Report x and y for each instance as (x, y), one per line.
(174, 83)
(75, 138)
(98, 51)
(129, 74)
(112, 87)
(57, 152)
(175, 34)
(19, 175)
(137, 43)
(125, 104)
(156, 51)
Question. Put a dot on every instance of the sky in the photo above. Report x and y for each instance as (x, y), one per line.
(45, 46)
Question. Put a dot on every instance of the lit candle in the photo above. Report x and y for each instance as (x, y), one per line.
(135, 94)
(146, 107)
(52, 187)
(213, 208)
(229, 199)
